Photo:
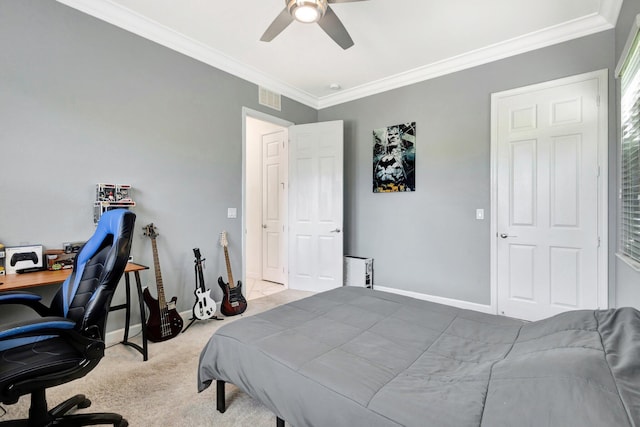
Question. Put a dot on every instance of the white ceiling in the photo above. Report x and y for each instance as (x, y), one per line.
(397, 42)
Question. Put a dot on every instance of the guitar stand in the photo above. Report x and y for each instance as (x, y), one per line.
(197, 267)
(193, 319)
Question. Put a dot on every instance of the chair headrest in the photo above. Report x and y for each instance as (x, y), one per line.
(117, 223)
(111, 223)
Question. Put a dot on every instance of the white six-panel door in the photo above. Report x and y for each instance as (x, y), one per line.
(549, 197)
(274, 194)
(315, 206)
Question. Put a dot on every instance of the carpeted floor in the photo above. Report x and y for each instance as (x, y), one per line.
(162, 391)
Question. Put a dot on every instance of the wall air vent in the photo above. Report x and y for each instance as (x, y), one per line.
(269, 98)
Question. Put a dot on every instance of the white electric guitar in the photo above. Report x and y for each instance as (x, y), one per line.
(205, 306)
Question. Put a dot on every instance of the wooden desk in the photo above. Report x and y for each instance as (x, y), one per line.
(15, 282)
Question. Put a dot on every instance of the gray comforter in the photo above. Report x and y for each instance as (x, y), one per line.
(356, 357)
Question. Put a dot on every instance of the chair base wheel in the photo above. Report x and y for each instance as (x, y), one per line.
(39, 416)
(84, 404)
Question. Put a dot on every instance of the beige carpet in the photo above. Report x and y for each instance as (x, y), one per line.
(162, 391)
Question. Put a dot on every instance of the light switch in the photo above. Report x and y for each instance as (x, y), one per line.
(232, 213)
(479, 213)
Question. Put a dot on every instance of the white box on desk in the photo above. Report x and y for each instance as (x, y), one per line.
(358, 271)
(20, 257)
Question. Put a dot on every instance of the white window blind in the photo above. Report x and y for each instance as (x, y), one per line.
(629, 244)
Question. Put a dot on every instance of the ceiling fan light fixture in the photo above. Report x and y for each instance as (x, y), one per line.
(306, 14)
(307, 11)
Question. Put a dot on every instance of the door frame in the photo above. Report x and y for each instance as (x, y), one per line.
(248, 112)
(603, 159)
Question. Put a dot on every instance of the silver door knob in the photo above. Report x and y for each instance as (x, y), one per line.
(337, 230)
(505, 235)
(264, 225)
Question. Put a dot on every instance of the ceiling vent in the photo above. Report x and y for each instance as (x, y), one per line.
(269, 99)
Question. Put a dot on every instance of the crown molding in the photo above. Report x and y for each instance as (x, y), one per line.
(110, 12)
(610, 10)
(547, 37)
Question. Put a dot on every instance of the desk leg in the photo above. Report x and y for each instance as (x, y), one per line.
(127, 308)
(127, 316)
(143, 317)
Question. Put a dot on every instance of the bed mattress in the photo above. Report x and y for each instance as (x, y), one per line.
(355, 357)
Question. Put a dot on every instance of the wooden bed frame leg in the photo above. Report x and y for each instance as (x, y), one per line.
(220, 403)
(279, 422)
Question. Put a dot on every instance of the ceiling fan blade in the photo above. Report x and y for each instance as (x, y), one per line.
(281, 22)
(343, 1)
(332, 25)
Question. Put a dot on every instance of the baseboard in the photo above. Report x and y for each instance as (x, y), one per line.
(115, 337)
(440, 300)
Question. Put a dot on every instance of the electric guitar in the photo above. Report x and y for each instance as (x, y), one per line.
(233, 301)
(164, 321)
(205, 306)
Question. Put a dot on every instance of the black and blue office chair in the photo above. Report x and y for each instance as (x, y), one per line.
(66, 340)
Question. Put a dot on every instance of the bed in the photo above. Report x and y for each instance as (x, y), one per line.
(361, 357)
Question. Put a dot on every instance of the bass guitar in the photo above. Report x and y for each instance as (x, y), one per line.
(164, 321)
(233, 302)
(205, 306)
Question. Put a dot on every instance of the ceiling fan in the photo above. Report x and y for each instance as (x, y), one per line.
(310, 11)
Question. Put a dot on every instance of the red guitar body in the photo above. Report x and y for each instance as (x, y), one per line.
(233, 302)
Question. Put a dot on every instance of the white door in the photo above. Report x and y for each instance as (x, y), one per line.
(274, 194)
(550, 197)
(315, 206)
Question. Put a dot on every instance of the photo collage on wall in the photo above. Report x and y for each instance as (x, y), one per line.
(394, 158)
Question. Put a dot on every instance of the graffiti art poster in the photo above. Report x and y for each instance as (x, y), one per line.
(394, 158)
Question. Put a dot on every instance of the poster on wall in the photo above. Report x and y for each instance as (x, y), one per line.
(394, 158)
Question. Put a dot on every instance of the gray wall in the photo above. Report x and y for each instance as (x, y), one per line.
(627, 279)
(429, 241)
(83, 102)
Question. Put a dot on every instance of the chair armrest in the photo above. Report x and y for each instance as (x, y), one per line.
(36, 327)
(29, 331)
(28, 299)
